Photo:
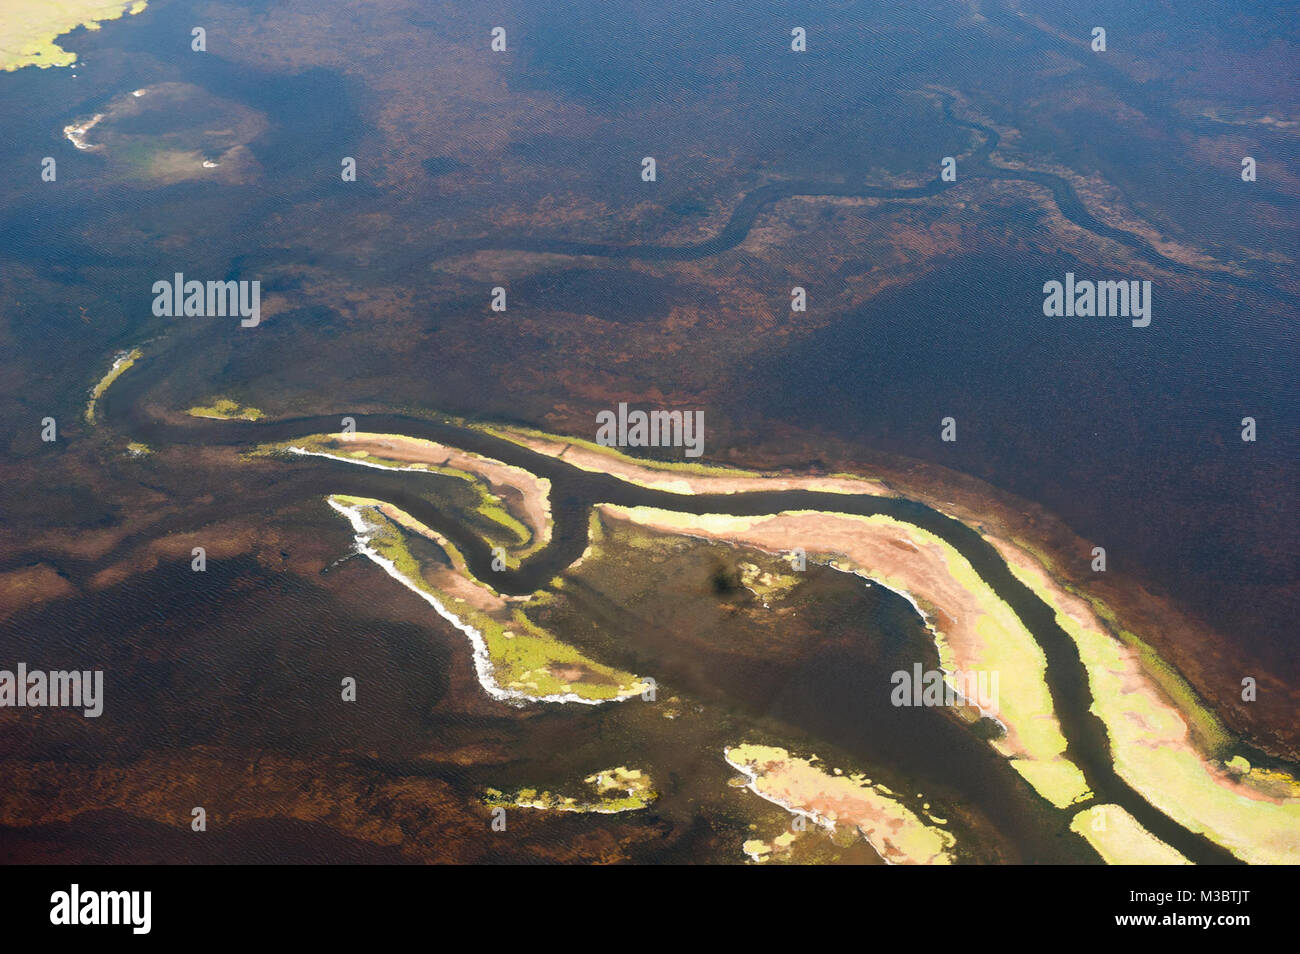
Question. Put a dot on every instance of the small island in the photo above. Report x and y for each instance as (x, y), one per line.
(224, 409)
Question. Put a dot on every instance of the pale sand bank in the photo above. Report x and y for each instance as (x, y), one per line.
(678, 478)
(510, 496)
(803, 787)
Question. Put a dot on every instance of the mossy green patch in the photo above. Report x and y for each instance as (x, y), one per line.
(525, 659)
(766, 585)
(609, 792)
(224, 409)
(121, 364)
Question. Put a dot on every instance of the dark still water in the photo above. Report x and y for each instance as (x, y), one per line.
(1132, 435)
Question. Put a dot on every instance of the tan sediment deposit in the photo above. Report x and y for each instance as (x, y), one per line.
(534, 492)
(30, 586)
(679, 478)
(804, 787)
(1120, 838)
(525, 495)
(224, 540)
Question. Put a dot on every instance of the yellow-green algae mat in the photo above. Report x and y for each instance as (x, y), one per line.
(610, 792)
(28, 28)
(121, 364)
(516, 660)
(224, 409)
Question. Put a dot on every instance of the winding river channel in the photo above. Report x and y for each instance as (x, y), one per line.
(977, 164)
(574, 491)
